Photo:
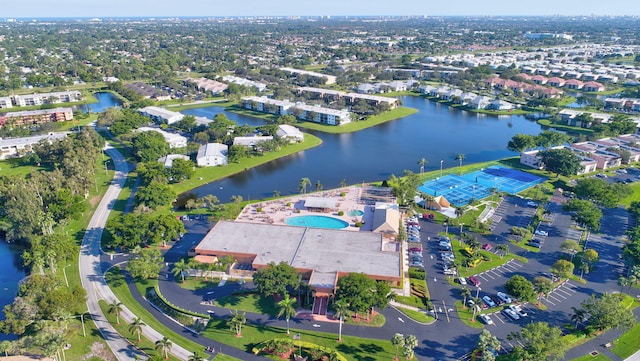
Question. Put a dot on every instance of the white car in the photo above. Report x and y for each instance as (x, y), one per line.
(488, 301)
(510, 314)
(462, 281)
(518, 310)
(486, 319)
(503, 296)
(532, 204)
(540, 232)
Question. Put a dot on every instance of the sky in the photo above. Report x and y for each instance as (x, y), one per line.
(202, 8)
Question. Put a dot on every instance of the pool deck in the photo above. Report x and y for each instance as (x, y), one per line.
(277, 211)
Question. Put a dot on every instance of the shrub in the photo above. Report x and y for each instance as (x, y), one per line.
(342, 194)
(341, 213)
(259, 209)
(358, 224)
(417, 273)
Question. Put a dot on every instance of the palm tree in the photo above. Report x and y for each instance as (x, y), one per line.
(164, 346)
(398, 341)
(136, 326)
(476, 305)
(286, 308)
(276, 193)
(503, 249)
(116, 307)
(318, 185)
(195, 357)
(465, 292)
(179, 268)
(578, 315)
(422, 162)
(410, 343)
(236, 322)
(304, 182)
(343, 183)
(460, 157)
(623, 282)
(341, 311)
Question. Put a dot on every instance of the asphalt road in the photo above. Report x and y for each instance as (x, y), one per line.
(92, 270)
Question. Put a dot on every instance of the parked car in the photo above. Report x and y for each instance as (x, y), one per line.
(518, 310)
(417, 264)
(621, 171)
(497, 300)
(534, 244)
(486, 319)
(532, 204)
(510, 314)
(488, 301)
(504, 297)
(474, 281)
(450, 272)
(415, 249)
(601, 175)
(487, 246)
(415, 253)
(540, 232)
(462, 281)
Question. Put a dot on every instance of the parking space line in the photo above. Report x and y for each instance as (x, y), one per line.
(565, 292)
(559, 295)
(546, 300)
(555, 299)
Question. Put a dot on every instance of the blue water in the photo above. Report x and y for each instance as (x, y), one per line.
(317, 222)
(106, 100)
(356, 212)
(11, 273)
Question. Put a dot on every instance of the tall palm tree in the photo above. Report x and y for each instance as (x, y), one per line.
(422, 162)
(179, 268)
(398, 341)
(578, 315)
(318, 185)
(465, 292)
(195, 357)
(136, 326)
(410, 343)
(164, 346)
(236, 322)
(460, 157)
(503, 249)
(476, 304)
(115, 307)
(286, 308)
(341, 309)
(304, 182)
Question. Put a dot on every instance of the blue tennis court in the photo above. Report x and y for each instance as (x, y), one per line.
(460, 190)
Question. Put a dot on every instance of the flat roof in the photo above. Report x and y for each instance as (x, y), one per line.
(320, 202)
(322, 250)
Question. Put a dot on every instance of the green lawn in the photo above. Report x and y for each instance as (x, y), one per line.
(416, 315)
(567, 128)
(194, 284)
(353, 348)
(13, 167)
(223, 357)
(628, 343)
(635, 186)
(249, 302)
(117, 283)
(204, 175)
(387, 116)
(466, 316)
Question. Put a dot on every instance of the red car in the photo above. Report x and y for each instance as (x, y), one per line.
(487, 246)
(474, 281)
(415, 249)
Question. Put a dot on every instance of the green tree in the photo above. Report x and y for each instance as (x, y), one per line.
(542, 285)
(115, 307)
(410, 343)
(562, 268)
(590, 256)
(578, 315)
(164, 346)
(341, 310)
(398, 341)
(537, 342)
(155, 195)
(488, 343)
(181, 169)
(304, 182)
(584, 213)
(196, 357)
(460, 157)
(521, 142)
(503, 249)
(521, 288)
(136, 327)
(286, 308)
(422, 162)
(236, 321)
(608, 311)
(146, 263)
(362, 293)
(562, 161)
(179, 268)
(571, 247)
(149, 146)
(465, 292)
(275, 279)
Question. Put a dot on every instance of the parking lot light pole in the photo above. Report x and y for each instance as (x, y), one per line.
(441, 168)
(64, 272)
(478, 292)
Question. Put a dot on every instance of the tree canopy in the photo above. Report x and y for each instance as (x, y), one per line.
(538, 341)
(562, 161)
(275, 279)
(520, 288)
(361, 293)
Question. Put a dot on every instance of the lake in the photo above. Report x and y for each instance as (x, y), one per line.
(106, 100)
(11, 273)
(437, 132)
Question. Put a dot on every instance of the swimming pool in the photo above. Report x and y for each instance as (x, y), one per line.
(356, 213)
(317, 222)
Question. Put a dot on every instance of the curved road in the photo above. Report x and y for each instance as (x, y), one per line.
(92, 272)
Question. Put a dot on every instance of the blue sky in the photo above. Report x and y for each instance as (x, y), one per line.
(106, 8)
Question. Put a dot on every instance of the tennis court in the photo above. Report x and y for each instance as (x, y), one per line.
(460, 190)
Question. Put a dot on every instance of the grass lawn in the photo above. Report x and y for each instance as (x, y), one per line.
(466, 316)
(387, 116)
(377, 321)
(223, 357)
(147, 346)
(635, 186)
(249, 302)
(567, 128)
(206, 175)
(416, 315)
(194, 284)
(115, 280)
(628, 343)
(495, 260)
(353, 348)
(13, 167)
